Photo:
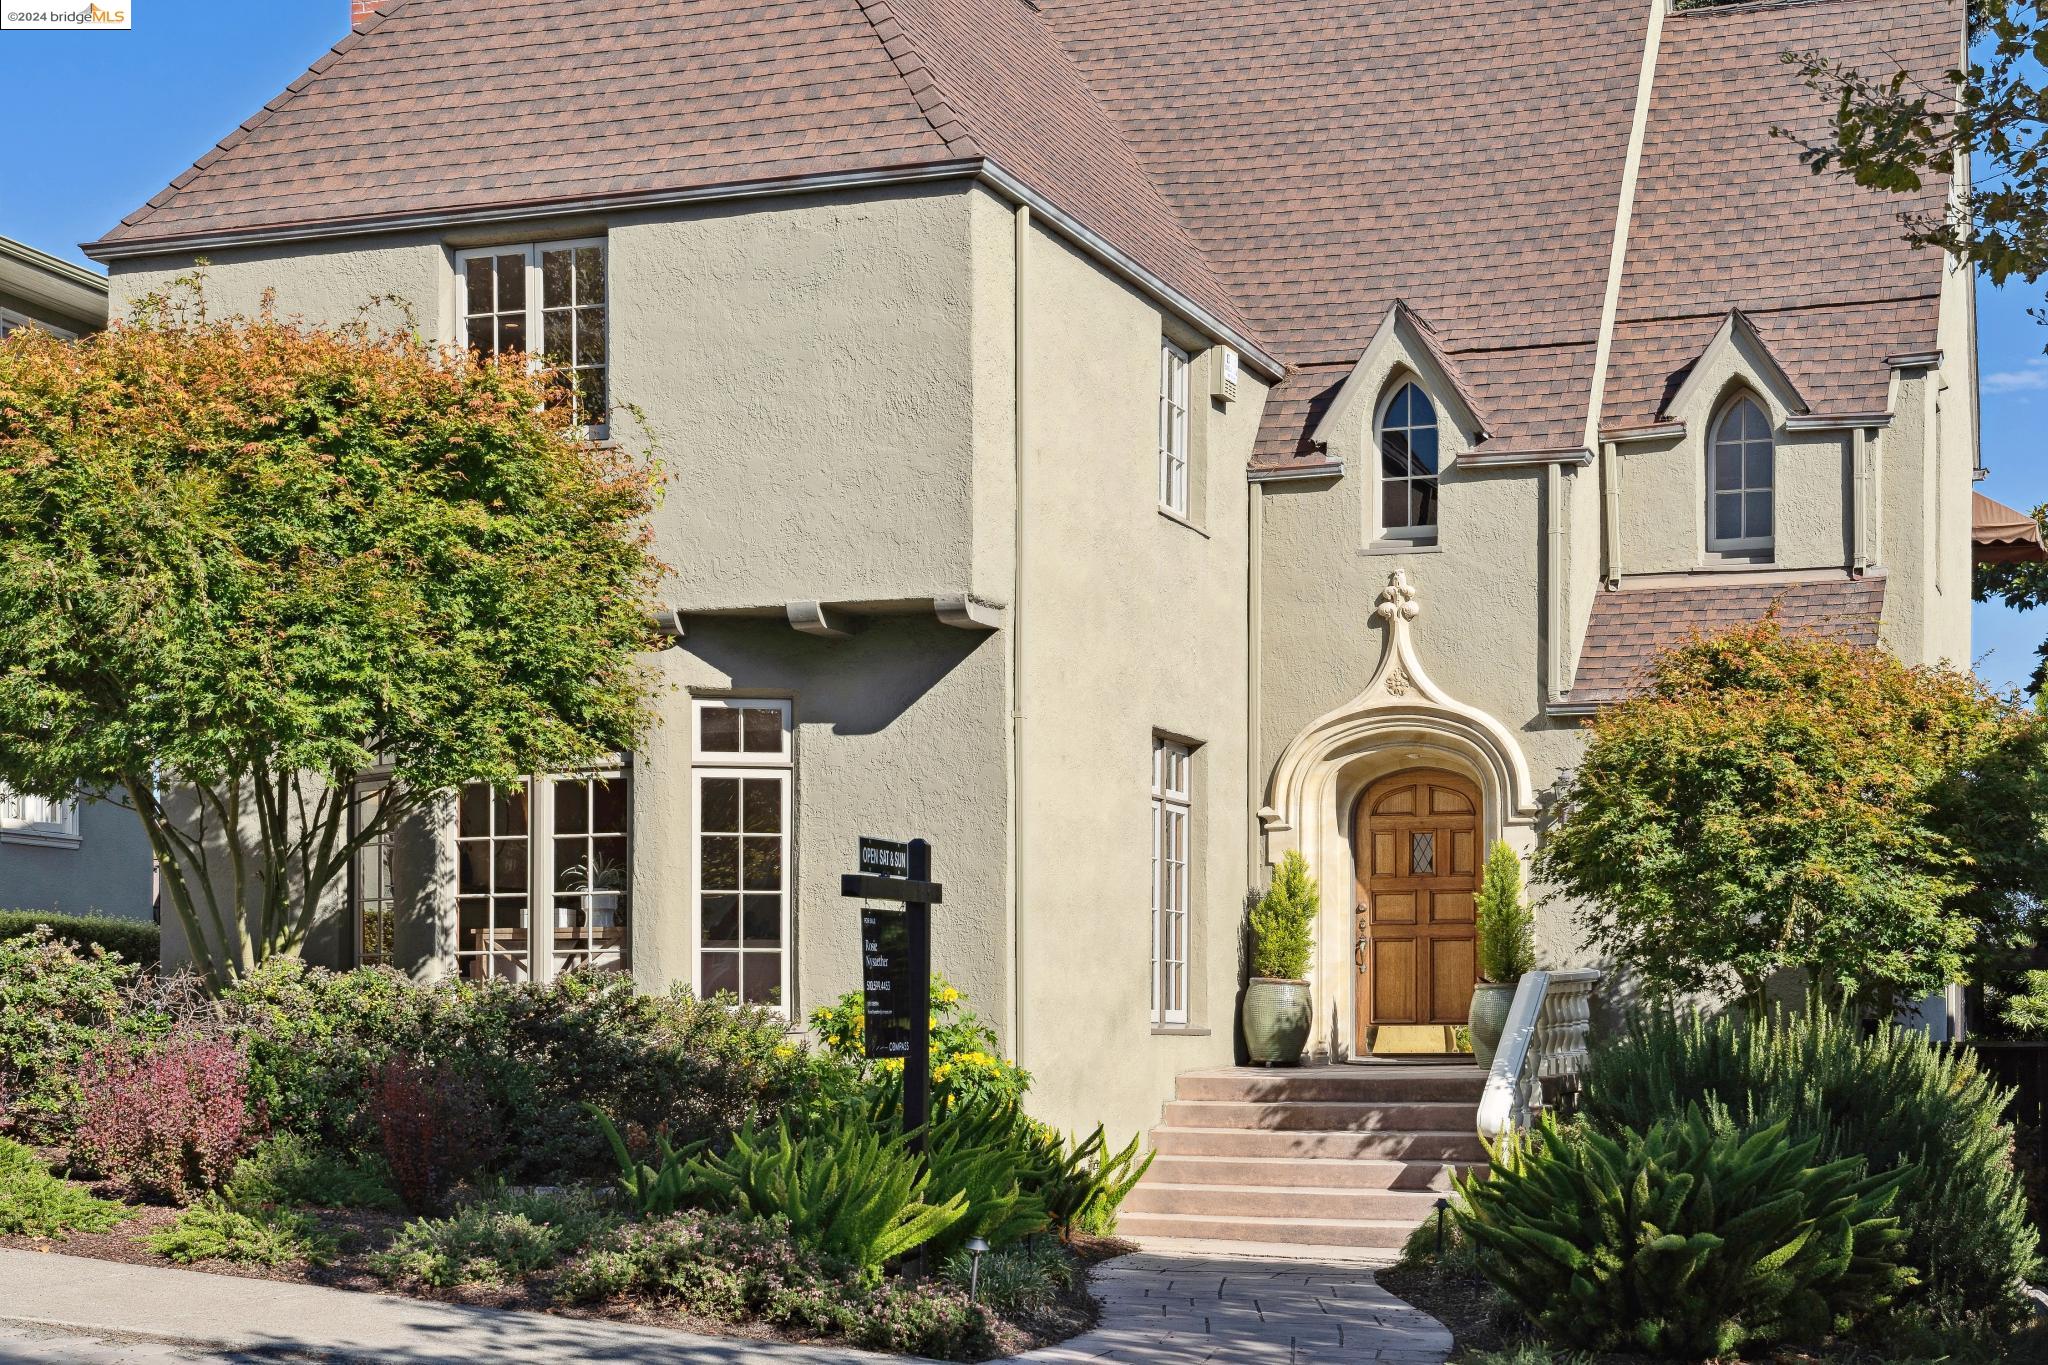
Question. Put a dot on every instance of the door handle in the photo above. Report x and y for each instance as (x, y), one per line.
(1361, 933)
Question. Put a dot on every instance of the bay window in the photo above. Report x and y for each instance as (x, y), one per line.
(542, 876)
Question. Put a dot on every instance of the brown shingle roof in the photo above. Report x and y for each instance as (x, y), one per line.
(1631, 626)
(1726, 217)
(438, 105)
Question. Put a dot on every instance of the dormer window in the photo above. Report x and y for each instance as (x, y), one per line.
(1740, 460)
(1408, 466)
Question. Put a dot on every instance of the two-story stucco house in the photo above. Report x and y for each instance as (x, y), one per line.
(1121, 443)
(79, 856)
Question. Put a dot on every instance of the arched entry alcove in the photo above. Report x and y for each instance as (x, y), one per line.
(1400, 721)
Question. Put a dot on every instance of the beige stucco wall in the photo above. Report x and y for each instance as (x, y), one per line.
(1134, 623)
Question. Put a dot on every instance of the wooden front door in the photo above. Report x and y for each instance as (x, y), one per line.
(1417, 839)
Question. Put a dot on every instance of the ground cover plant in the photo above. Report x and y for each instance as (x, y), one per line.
(496, 1239)
(218, 1229)
(35, 1203)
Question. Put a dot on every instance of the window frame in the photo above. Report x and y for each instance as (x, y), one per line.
(1176, 446)
(380, 848)
(779, 767)
(28, 819)
(11, 321)
(1423, 534)
(535, 307)
(1173, 812)
(1744, 544)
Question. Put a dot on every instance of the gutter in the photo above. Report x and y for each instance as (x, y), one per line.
(982, 169)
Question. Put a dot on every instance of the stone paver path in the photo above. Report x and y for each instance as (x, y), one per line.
(1179, 1307)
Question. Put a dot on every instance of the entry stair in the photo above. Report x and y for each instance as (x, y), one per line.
(1352, 1155)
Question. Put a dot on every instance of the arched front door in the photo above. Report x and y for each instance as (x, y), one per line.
(1416, 836)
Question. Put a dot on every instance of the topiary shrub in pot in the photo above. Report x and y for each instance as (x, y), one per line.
(1505, 930)
(1277, 1006)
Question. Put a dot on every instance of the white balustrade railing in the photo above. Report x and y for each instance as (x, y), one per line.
(1545, 1040)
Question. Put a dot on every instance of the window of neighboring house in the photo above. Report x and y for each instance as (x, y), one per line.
(1173, 428)
(35, 819)
(369, 886)
(742, 774)
(1408, 466)
(14, 322)
(548, 300)
(1740, 476)
(543, 882)
(1172, 809)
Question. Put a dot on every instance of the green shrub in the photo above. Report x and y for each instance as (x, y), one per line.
(540, 1053)
(1690, 1241)
(34, 1203)
(918, 1319)
(967, 1060)
(134, 940)
(288, 1169)
(1889, 1097)
(1025, 1278)
(1503, 924)
(844, 1188)
(496, 1240)
(57, 1001)
(217, 1229)
(1283, 921)
(721, 1267)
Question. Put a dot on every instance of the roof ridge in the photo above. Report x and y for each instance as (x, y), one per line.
(256, 120)
(894, 35)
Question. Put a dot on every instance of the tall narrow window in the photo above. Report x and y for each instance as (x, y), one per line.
(1173, 428)
(550, 300)
(1172, 806)
(369, 885)
(1408, 466)
(1740, 476)
(557, 842)
(743, 790)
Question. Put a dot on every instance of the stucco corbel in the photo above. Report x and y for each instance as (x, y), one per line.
(812, 619)
(967, 613)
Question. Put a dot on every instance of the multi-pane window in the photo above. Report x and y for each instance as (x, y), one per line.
(1739, 511)
(370, 886)
(559, 843)
(1171, 809)
(743, 796)
(1173, 428)
(36, 819)
(1408, 466)
(547, 300)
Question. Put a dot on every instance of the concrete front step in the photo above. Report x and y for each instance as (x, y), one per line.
(1281, 1172)
(1358, 1084)
(1239, 1201)
(1456, 1144)
(1343, 1232)
(1321, 1115)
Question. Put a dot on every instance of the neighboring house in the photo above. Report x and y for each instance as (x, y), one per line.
(1123, 442)
(69, 856)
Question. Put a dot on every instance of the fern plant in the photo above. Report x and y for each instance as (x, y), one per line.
(846, 1189)
(1503, 924)
(977, 1151)
(1693, 1240)
(1283, 921)
(650, 1191)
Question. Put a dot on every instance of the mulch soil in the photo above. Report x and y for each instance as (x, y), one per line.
(361, 1234)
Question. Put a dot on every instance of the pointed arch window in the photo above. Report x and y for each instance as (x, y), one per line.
(1741, 478)
(1408, 465)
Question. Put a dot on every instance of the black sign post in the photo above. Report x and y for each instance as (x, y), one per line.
(896, 964)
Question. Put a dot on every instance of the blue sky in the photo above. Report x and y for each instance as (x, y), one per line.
(119, 114)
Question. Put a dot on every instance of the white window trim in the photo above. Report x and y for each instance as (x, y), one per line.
(33, 820)
(11, 320)
(1741, 544)
(1412, 535)
(365, 786)
(535, 323)
(719, 763)
(1172, 803)
(1175, 454)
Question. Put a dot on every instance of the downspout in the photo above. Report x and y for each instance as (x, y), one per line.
(1021, 368)
(1859, 531)
(1255, 577)
(1610, 512)
(1554, 587)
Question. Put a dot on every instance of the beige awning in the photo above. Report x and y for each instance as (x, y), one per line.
(2001, 535)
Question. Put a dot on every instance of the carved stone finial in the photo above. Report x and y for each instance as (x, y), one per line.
(1397, 599)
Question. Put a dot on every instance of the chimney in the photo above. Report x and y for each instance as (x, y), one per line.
(359, 12)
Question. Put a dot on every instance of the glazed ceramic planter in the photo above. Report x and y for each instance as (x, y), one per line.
(1489, 1019)
(1276, 1020)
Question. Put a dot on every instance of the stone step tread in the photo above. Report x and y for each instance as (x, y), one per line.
(1379, 1232)
(1323, 1172)
(1442, 1144)
(1310, 1191)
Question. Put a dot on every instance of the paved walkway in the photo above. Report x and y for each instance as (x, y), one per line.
(1159, 1308)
